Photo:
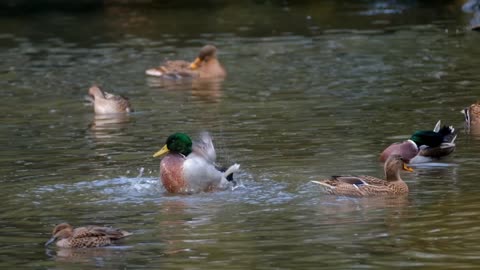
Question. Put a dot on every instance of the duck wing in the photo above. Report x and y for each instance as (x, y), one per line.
(204, 147)
(97, 231)
(177, 69)
(122, 102)
(360, 180)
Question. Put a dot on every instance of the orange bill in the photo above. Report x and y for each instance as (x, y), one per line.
(196, 63)
(406, 168)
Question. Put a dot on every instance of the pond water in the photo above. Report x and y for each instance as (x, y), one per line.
(314, 89)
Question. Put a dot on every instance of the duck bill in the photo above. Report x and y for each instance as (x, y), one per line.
(51, 240)
(406, 168)
(162, 151)
(195, 64)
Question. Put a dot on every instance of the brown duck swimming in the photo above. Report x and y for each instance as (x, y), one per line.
(472, 115)
(424, 145)
(366, 186)
(206, 65)
(106, 103)
(85, 237)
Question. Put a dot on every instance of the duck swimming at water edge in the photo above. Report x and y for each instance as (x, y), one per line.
(369, 186)
(85, 237)
(190, 167)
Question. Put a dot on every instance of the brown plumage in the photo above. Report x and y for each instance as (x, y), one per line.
(472, 116)
(85, 237)
(365, 186)
(206, 65)
(106, 103)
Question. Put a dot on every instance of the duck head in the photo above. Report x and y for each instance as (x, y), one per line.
(393, 166)
(178, 143)
(96, 92)
(61, 231)
(207, 53)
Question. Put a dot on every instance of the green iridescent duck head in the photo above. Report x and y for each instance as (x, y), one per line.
(176, 143)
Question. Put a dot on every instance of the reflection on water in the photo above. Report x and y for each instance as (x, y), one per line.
(315, 88)
(87, 256)
(106, 126)
(209, 90)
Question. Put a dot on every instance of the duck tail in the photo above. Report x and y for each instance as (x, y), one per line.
(326, 187)
(228, 174)
(448, 134)
(125, 233)
(437, 126)
(156, 72)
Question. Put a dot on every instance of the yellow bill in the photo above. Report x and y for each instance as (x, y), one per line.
(196, 63)
(406, 168)
(162, 151)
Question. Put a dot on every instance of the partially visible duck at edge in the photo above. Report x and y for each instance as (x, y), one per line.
(472, 116)
(106, 103)
(424, 145)
(85, 237)
(206, 65)
(190, 167)
(369, 186)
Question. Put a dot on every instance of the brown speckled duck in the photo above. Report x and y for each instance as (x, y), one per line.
(106, 103)
(190, 168)
(85, 237)
(424, 145)
(369, 186)
(206, 65)
(472, 115)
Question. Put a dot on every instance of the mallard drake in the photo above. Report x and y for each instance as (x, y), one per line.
(472, 114)
(85, 237)
(206, 65)
(106, 103)
(424, 145)
(190, 168)
(366, 186)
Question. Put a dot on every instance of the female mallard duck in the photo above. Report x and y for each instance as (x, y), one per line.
(106, 103)
(424, 145)
(85, 237)
(472, 115)
(366, 186)
(187, 169)
(206, 65)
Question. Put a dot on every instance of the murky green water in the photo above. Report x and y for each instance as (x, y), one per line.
(314, 89)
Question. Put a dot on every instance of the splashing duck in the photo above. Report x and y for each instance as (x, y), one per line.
(190, 168)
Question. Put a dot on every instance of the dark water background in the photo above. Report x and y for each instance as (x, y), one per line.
(315, 88)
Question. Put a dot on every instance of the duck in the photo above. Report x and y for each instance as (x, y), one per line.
(85, 237)
(472, 115)
(107, 103)
(424, 145)
(369, 186)
(188, 167)
(205, 65)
